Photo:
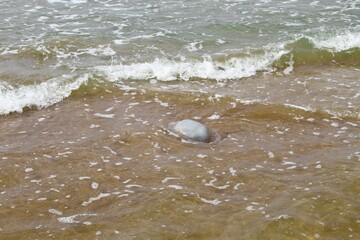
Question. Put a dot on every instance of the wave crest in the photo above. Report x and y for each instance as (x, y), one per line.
(15, 99)
(167, 70)
(337, 43)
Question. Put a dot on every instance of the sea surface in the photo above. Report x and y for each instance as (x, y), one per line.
(88, 89)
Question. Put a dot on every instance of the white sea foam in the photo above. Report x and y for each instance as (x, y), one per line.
(93, 199)
(71, 219)
(67, 1)
(166, 70)
(54, 211)
(100, 50)
(212, 202)
(307, 109)
(41, 95)
(104, 115)
(177, 187)
(338, 43)
(165, 180)
(290, 68)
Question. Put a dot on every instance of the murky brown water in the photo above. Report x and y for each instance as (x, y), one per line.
(278, 81)
(102, 164)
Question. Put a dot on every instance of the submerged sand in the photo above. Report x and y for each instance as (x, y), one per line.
(103, 165)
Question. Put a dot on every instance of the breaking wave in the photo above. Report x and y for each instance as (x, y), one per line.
(280, 58)
(15, 99)
(168, 70)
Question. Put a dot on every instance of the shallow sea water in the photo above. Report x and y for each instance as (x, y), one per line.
(88, 89)
(102, 165)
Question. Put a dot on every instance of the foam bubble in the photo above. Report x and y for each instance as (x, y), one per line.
(93, 199)
(212, 202)
(104, 115)
(177, 187)
(56, 212)
(27, 170)
(71, 219)
(94, 185)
